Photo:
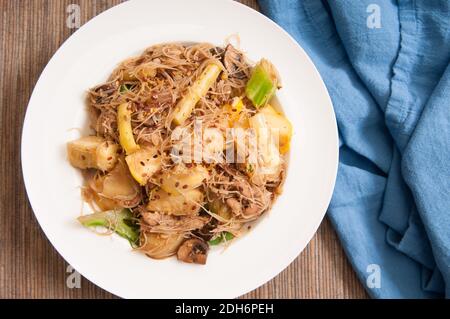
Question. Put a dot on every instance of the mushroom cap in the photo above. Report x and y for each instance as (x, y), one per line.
(193, 250)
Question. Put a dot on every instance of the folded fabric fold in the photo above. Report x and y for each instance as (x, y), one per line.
(385, 65)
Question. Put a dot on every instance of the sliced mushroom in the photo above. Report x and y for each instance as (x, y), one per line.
(193, 251)
(206, 231)
(106, 89)
(216, 52)
(232, 60)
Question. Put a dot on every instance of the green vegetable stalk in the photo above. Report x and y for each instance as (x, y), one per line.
(121, 222)
(262, 84)
(224, 236)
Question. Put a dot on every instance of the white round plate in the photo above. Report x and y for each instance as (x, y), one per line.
(57, 107)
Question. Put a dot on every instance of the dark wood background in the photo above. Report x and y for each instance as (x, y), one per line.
(30, 32)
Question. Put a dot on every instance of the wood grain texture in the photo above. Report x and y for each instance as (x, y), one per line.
(30, 32)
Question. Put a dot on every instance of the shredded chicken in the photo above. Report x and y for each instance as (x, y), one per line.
(163, 223)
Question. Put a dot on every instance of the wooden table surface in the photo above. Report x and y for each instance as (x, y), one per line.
(30, 32)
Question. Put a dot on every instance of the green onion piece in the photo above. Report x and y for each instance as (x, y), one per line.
(262, 84)
(121, 222)
(228, 236)
(219, 239)
(215, 241)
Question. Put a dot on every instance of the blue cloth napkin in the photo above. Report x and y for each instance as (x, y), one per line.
(386, 66)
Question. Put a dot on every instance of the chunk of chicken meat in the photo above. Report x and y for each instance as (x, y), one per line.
(159, 222)
(251, 202)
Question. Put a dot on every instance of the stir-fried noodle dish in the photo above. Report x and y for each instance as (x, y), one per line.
(187, 149)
